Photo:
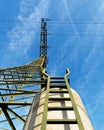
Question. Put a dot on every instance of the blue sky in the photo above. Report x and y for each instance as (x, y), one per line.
(75, 41)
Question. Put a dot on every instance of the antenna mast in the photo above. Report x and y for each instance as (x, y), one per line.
(43, 40)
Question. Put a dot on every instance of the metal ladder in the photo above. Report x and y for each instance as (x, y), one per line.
(60, 86)
(59, 83)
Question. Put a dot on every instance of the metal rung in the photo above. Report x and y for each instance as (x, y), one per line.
(57, 81)
(57, 77)
(61, 121)
(59, 98)
(58, 85)
(58, 91)
(60, 108)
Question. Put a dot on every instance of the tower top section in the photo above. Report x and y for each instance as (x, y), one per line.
(43, 40)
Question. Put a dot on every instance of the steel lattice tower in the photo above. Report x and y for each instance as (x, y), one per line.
(51, 102)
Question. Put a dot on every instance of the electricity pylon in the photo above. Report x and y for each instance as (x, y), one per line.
(50, 102)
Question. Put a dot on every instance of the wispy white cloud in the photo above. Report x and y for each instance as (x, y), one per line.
(91, 70)
(91, 60)
(66, 5)
(98, 101)
(71, 39)
(95, 106)
(21, 36)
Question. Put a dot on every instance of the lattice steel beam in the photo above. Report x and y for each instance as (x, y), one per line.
(14, 103)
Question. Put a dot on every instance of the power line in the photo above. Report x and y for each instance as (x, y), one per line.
(49, 47)
(58, 21)
(17, 20)
(78, 19)
(50, 34)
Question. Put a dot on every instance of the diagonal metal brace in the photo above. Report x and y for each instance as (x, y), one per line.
(15, 114)
(8, 118)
